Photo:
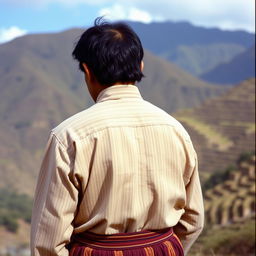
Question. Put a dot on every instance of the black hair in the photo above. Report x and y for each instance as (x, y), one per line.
(112, 51)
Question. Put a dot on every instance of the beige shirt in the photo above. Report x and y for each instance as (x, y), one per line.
(123, 165)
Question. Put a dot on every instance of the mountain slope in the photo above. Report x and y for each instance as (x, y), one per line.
(171, 88)
(41, 86)
(222, 128)
(241, 67)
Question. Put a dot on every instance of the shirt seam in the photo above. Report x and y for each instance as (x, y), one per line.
(59, 141)
(67, 147)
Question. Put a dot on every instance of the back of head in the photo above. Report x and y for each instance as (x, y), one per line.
(112, 51)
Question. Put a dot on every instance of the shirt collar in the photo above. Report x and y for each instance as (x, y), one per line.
(117, 92)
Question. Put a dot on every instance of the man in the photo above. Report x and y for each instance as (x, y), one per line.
(119, 178)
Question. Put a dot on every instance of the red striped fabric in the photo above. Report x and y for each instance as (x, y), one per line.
(144, 243)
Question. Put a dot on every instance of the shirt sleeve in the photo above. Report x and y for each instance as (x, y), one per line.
(191, 223)
(55, 202)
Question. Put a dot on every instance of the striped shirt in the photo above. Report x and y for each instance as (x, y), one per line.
(123, 165)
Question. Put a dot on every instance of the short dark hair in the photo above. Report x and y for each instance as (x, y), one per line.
(113, 52)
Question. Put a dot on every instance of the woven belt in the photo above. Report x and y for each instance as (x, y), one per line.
(123, 240)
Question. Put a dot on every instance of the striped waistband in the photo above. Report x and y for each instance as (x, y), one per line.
(123, 240)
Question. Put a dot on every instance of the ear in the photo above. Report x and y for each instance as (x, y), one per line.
(142, 65)
(87, 70)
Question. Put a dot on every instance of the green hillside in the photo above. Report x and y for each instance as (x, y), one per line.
(198, 59)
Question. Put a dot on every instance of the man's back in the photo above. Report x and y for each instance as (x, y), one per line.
(131, 162)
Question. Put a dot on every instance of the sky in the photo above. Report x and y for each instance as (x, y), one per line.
(19, 17)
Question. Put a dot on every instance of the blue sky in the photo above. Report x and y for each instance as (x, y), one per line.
(18, 17)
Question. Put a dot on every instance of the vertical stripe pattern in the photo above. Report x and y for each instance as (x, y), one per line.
(149, 251)
(118, 253)
(122, 165)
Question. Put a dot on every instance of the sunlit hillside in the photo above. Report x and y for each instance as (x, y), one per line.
(222, 128)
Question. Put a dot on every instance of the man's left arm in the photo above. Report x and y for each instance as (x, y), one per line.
(55, 202)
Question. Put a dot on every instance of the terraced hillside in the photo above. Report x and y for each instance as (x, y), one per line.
(222, 128)
(229, 199)
(233, 200)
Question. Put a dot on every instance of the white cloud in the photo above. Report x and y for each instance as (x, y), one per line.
(227, 14)
(7, 34)
(135, 14)
(119, 12)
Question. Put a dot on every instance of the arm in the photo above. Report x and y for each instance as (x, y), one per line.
(191, 223)
(55, 202)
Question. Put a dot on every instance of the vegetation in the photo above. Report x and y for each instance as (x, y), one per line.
(14, 206)
(217, 178)
(232, 240)
(246, 156)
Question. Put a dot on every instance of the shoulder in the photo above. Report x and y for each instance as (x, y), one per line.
(70, 129)
(168, 119)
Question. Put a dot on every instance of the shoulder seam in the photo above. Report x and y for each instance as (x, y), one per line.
(59, 141)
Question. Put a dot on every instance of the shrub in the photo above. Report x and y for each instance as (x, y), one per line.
(14, 206)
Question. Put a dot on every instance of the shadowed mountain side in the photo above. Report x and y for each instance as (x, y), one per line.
(222, 128)
(193, 48)
(238, 69)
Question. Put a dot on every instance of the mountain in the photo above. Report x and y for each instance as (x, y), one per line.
(241, 67)
(193, 48)
(41, 86)
(222, 128)
(171, 88)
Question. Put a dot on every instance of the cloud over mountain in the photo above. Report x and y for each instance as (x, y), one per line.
(7, 34)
